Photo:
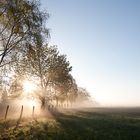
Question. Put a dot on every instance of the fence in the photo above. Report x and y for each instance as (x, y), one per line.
(20, 114)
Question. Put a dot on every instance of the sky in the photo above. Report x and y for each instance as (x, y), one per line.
(101, 39)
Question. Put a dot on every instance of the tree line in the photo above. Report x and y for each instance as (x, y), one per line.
(25, 53)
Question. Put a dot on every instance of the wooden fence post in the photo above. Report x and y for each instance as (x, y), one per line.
(7, 108)
(21, 112)
(33, 111)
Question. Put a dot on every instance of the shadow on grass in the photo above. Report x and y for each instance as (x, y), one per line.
(84, 125)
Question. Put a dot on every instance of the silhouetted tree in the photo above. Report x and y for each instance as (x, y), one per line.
(51, 68)
(21, 24)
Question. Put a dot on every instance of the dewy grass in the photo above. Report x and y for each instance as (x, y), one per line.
(82, 125)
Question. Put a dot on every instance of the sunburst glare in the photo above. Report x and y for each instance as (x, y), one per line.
(28, 86)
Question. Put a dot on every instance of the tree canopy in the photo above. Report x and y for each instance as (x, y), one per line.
(21, 24)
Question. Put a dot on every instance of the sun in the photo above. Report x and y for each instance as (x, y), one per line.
(28, 86)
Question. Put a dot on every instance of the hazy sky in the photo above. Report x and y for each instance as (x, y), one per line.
(102, 41)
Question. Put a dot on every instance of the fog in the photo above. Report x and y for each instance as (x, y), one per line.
(15, 107)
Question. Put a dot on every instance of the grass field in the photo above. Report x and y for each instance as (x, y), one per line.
(77, 124)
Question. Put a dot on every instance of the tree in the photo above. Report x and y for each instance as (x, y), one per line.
(83, 94)
(16, 88)
(21, 24)
(72, 94)
(66, 92)
(4, 81)
(52, 70)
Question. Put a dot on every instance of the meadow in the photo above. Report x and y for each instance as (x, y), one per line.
(76, 124)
